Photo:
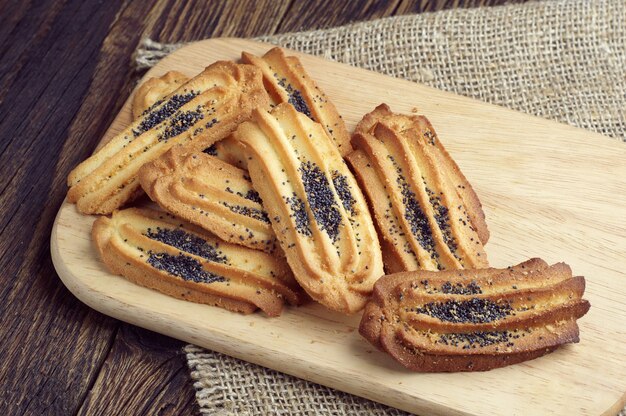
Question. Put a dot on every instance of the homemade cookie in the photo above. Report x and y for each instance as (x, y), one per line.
(315, 206)
(474, 320)
(415, 193)
(230, 151)
(287, 82)
(157, 250)
(152, 92)
(202, 111)
(211, 194)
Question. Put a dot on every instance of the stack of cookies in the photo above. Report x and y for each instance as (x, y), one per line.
(266, 200)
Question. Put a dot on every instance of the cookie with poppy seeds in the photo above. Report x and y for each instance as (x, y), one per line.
(230, 151)
(205, 109)
(416, 193)
(474, 319)
(152, 92)
(287, 81)
(210, 193)
(157, 250)
(316, 209)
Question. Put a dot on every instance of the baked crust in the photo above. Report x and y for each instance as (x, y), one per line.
(152, 92)
(316, 209)
(210, 193)
(287, 82)
(463, 188)
(230, 151)
(205, 109)
(474, 320)
(157, 250)
(422, 219)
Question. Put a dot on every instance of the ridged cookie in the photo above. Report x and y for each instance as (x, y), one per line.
(151, 93)
(157, 250)
(463, 188)
(210, 193)
(202, 111)
(287, 82)
(230, 151)
(474, 320)
(315, 206)
(423, 221)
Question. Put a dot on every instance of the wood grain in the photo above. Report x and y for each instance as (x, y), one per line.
(40, 319)
(531, 194)
(152, 383)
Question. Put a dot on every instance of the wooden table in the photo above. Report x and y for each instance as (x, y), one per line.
(65, 70)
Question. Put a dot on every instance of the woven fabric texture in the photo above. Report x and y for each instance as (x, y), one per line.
(562, 60)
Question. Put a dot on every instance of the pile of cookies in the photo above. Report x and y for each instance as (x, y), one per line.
(258, 209)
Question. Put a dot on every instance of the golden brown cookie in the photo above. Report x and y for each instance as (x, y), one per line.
(152, 92)
(474, 320)
(211, 194)
(157, 250)
(202, 111)
(463, 188)
(423, 221)
(230, 151)
(287, 82)
(315, 206)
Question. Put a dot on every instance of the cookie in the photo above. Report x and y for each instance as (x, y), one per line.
(205, 109)
(423, 221)
(316, 209)
(159, 251)
(287, 82)
(210, 193)
(474, 320)
(152, 92)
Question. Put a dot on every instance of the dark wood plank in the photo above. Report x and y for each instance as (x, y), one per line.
(52, 346)
(307, 15)
(196, 19)
(141, 376)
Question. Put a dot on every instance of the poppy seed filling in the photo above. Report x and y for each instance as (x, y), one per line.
(475, 339)
(299, 214)
(180, 123)
(471, 288)
(475, 310)
(188, 243)
(442, 218)
(321, 199)
(340, 182)
(154, 117)
(413, 213)
(255, 213)
(183, 266)
(295, 97)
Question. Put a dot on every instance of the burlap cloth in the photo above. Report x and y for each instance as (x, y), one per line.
(562, 60)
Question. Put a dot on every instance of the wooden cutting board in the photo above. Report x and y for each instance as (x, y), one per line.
(549, 190)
